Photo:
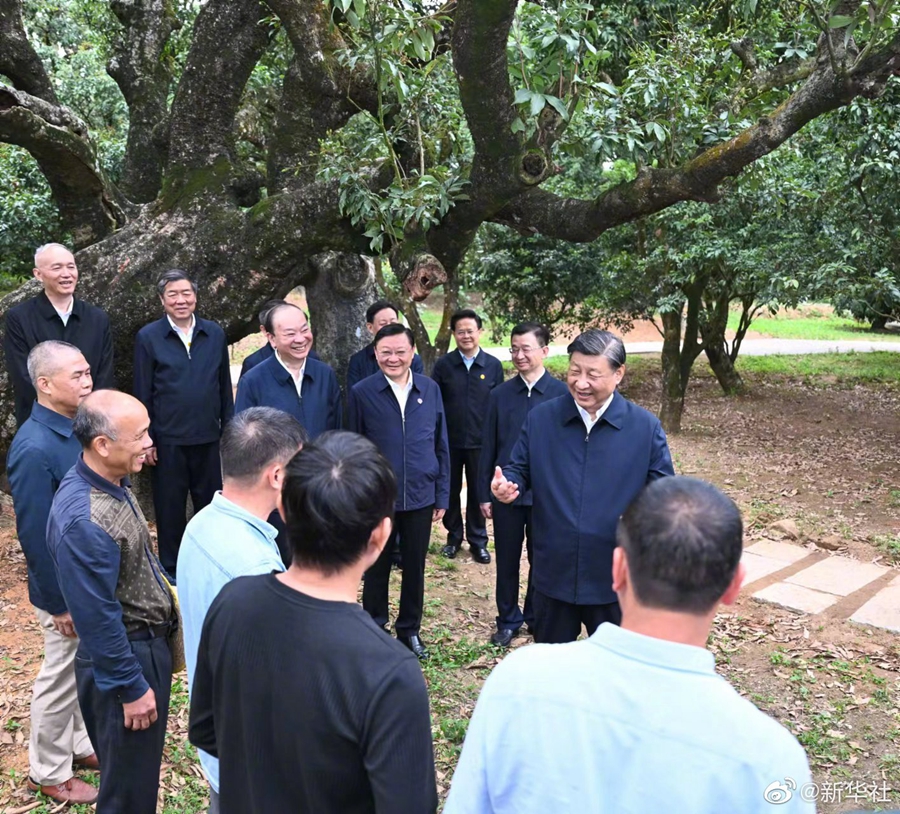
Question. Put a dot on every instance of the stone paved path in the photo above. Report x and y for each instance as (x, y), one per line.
(814, 582)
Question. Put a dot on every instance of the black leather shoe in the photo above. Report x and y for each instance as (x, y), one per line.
(481, 555)
(504, 636)
(449, 551)
(414, 643)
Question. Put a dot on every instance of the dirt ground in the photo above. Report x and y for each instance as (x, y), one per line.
(828, 459)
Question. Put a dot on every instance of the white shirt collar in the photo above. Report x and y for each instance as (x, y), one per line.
(402, 391)
(530, 385)
(589, 422)
(190, 330)
(298, 379)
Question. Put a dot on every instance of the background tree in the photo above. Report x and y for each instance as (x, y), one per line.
(253, 208)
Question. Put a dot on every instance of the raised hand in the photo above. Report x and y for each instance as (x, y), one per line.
(504, 490)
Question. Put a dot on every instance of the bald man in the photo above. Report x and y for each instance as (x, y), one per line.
(42, 452)
(120, 604)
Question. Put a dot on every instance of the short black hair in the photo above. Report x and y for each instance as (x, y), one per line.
(337, 489)
(683, 539)
(268, 306)
(375, 307)
(464, 313)
(541, 332)
(256, 438)
(394, 329)
(600, 343)
(269, 321)
(173, 276)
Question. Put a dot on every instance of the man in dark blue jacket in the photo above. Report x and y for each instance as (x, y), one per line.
(363, 362)
(402, 413)
(56, 314)
(585, 457)
(182, 375)
(466, 377)
(291, 380)
(508, 407)
(42, 452)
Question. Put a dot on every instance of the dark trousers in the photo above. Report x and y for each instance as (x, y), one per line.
(476, 533)
(413, 529)
(512, 527)
(557, 622)
(180, 471)
(130, 759)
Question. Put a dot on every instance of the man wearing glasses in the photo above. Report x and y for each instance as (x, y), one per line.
(585, 457)
(508, 407)
(466, 377)
(402, 413)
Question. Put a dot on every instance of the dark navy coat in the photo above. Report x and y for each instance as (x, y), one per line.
(265, 352)
(363, 364)
(465, 393)
(508, 407)
(43, 450)
(188, 395)
(270, 385)
(415, 445)
(582, 484)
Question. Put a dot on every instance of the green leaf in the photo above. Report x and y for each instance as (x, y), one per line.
(538, 101)
(612, 90)
(839, 21)
(659, 132)
(522, 95)
(517, 125)
(359, 6)
(558, 106)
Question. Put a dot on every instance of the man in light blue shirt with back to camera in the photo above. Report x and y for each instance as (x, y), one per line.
(635, 720)
(230, 537)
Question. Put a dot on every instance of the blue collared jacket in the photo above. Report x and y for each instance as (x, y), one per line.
(188, 395)
(415, 444)
(582, 483)
(465, 393)
(43, 450)
(508, 407)
(270, 385)
(363, 364)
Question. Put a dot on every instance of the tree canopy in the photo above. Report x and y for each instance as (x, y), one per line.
(262, 145)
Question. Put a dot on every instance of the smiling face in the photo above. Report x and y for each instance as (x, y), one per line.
(57, 272)
(527, 354)
(291, 336)
(386, 316)
(126, 455)
(394, 355)
(467, 335)
(67, 385)
(179, 300)
(592, 380)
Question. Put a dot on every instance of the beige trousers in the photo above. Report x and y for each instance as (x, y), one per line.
(57, 729)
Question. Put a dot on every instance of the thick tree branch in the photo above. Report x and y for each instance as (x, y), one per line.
(698, 180)
(143, 75)
(89, 205)
(229, 38)
(319, 94)
(18, 59)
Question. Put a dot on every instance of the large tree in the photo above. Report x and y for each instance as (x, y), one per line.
(188, 197)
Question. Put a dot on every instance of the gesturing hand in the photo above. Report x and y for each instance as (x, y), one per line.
(504, 490)
(141, 714)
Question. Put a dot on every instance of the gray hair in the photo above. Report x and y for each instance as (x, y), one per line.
(90, 423)
(41, 249)
(44, 359)
(173, 276)
(600, 343)
(256, 438)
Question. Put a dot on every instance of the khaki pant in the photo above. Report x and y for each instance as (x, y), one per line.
(57, 730)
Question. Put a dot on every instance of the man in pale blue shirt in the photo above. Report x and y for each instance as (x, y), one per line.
(230, 537)
(635, 720)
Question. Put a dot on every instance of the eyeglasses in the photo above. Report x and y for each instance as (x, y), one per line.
(523, 351)
(389, 354)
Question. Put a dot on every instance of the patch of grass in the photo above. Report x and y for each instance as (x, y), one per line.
(827, 369)
(813, 324)
(890, 545)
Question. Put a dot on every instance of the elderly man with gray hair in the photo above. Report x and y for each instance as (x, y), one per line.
(231, 537)
(585, 456)
(182, 375)
(42, 452)
(55, 314)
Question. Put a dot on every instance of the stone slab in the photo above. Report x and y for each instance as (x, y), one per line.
(840, 576)
(785, 552)
(883, 609)
(796, 597)
(758, 566)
